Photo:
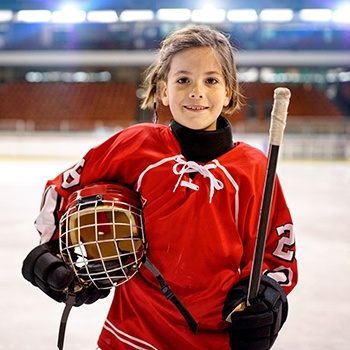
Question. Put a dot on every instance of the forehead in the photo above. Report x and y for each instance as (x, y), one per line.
(201, 59)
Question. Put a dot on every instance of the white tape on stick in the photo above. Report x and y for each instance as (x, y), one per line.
(279, 115)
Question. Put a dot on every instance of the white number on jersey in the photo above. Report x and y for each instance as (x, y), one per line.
(72, 176)
(285, 243)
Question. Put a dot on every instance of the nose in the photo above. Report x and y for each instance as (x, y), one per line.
(196, 92)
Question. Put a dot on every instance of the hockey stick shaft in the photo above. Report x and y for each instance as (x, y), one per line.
(277, 126)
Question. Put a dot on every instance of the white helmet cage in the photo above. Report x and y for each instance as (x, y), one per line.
(101, 234)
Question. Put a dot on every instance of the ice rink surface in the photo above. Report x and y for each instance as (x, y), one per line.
(318, 194)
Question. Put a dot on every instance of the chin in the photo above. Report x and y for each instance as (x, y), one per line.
(197, 125)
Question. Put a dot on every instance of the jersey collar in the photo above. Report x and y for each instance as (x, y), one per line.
(203, 146)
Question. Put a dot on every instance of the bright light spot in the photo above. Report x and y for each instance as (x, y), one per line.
(136, 15)
(5, 16)
(344, 76)
(174, 15)
(315, 15)
(69, 14)
(34, 77)
(140, 93)
(331, 76)
(102, 16)
(68, 77)
(249, 75)
(342, 14)
(32, 16)
(245, 15)
(80, 77)
(69, 8)
(209, 14)
(103, 76)
(209, 7)
(277, 15)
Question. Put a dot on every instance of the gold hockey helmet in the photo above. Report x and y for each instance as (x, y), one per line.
(101, 234)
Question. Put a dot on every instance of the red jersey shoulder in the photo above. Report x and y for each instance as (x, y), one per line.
(255, 154)
(246, 164)
(246, 157)
(145, 129)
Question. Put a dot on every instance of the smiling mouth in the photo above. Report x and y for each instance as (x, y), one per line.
(195, 108)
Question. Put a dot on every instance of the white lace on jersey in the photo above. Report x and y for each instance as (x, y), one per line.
(183, 167)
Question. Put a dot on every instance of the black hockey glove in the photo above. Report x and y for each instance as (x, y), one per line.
(257, 326)
(45, 269)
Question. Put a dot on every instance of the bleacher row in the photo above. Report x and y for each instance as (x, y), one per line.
(67, 106)
(87, 106)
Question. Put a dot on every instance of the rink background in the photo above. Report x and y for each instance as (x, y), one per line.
(318, 194)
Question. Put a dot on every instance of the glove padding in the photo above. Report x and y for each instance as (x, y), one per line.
(257, 326)
(46, 270)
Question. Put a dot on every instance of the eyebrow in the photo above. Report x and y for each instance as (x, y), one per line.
(187, 72)
(180, 72)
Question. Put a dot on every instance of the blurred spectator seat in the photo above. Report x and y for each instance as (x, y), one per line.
(68, 106)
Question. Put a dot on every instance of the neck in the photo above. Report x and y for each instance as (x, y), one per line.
(203, 146)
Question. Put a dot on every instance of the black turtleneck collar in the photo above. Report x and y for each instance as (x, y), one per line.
(203, 146)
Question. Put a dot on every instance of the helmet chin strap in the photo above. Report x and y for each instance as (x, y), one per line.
(169, 295)
(165, 289)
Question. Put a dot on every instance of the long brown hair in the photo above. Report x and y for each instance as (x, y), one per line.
(185, 38)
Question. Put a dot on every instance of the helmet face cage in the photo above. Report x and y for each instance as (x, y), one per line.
(101, 235)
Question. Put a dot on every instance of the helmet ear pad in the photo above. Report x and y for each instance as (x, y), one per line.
(103, 227)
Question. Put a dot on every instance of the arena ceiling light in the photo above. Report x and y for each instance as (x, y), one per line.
(342, 14)
(68, 14)
(106, 16)
(242, 15)
(209, 14)
(174, 15)
(33, 16)
(315, 15)
(276, 15)
(136, 15)
(5, 16)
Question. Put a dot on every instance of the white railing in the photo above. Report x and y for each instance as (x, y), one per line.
(327, 140)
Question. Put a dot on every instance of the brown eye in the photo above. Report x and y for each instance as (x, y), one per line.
(211, 81)
(183, 80)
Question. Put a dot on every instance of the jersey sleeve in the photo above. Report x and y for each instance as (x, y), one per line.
(117, 159)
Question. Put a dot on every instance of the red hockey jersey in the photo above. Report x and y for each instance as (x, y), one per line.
(200, 229)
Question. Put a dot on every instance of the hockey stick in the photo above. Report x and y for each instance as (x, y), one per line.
(277, 126)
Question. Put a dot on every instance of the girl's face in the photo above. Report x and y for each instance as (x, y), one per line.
(195, 90)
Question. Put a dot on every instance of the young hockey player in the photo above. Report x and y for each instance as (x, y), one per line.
(201, 196)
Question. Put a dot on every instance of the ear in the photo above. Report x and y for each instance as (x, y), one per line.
(163, 92)
(228, 95)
